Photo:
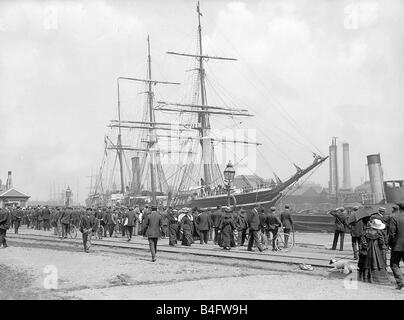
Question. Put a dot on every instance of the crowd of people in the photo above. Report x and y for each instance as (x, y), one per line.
(373, 234)
(224, 226)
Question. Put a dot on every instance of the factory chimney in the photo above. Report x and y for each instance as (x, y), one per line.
(333, 183)
(9, 183)
(346, 182)
(376, 178)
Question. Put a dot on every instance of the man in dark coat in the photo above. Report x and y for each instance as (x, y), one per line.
(5, 222)
(151, 228)
(65, 219)
(273, 223)
(340, 226)
(396, 243)
(253, 223)
(186, 225)
(17, 216)
(111, 222)
(204, 224)
(241, 224)
(46, 218)
(173, 227)
(88, 225)
(287, 224)
(264, 232)
(216, 216)
(40, 219)
(130, 216)
(357, 228)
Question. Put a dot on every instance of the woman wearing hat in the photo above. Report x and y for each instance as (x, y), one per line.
(371, 264)
(227, 227)
(186, 229)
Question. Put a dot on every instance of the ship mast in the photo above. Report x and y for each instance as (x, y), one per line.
(150, 126)
(119, 144)
(203, 118)
(203, 109)
(152, 136)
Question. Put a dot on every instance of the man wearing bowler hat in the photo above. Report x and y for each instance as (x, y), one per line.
(151, 229)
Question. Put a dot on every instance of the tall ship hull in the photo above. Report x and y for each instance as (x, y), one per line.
(266, 196)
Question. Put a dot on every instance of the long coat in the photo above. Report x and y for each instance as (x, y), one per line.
(227, 227)
(152, 224)
(253, 220)
(396, 232)
(372, 267)
(5, 219)
(186, 228)
(273, 221)
(88, 223)
(216, 216)
(286, 220)
(204, 222)
(131, 215)
(66, 217)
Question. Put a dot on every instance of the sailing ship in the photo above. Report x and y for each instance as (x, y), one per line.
(198, 180)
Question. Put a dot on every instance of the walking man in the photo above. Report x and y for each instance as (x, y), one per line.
(339, 227)
(88, 225)
(65, 219)
(204, 225)
(5, 222)
(241, 223)
(216, 217)
(130, 218)
(46, 217)
(287, 223)
(17, 216)
(253, 222)
(396, 243)
(356, 233)
(151, 228)
(273, 223)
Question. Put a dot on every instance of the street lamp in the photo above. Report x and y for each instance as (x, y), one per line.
(68, 196)
(229, 173)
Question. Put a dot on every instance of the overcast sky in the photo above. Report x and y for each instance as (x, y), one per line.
(328, 68)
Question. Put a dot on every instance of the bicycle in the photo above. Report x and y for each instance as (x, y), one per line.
(72, 231)
(99, 233)
(280, 240)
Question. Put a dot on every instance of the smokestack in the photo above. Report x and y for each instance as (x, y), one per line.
(9, 183)
(333, 183)
(135, 174)
(346, 182)
(376, 177)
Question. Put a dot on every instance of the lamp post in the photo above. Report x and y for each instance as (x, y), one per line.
(68, 196)
(229, 173)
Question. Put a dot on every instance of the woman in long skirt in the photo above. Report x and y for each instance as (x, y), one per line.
(186, 228)
(372, 267)
(227, 227)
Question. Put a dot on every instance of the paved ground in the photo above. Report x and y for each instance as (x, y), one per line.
(27, 266)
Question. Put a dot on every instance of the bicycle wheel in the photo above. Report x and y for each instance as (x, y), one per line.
(73, 232)
(100, 232)
(280, 241)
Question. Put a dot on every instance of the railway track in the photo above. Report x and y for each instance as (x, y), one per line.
(315, 257)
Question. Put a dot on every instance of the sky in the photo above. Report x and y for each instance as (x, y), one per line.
(308, 70)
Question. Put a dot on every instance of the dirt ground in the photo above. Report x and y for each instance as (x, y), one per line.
(25, 268)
